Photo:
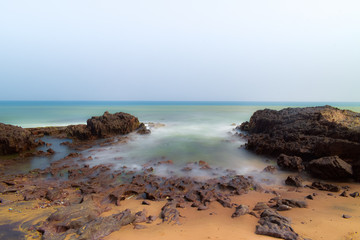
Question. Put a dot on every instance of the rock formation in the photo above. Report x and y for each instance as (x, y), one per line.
(307, 133)
(15, 139)
(104, 126)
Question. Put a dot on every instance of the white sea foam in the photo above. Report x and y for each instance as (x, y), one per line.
(182, 144)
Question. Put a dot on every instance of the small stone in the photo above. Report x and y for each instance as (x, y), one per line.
(240, 210)
(145, 202)
(346, 216)
(254, 214)
(310, 197)
(151, 218)
(202, 207)
(295, 181)
(344, 194)
(354, 194)
(138, 226)
(283, 207)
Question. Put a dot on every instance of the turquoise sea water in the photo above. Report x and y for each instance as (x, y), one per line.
(193, 131)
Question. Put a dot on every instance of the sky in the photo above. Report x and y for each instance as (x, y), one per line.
(186, 50)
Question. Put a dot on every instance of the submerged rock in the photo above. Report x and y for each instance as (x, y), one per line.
(269, 169)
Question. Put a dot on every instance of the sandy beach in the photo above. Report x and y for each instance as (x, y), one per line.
(322, 219)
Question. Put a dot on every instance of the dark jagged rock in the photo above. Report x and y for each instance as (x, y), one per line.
(330, 168)
(103, 226)
(58, 132)
(142, 129)
(291, 163)
(292, 203)
(15, 139)
(69, 219)
(240, 210)
(311, 197)
(343, 194)
(104, 126)
(151, 218)
(354, 194)
(50, 151)
(273, 224)
(79, 131)
(309, 133)
(140, 216)
(169, 213)
(295, 181)
(325, 187)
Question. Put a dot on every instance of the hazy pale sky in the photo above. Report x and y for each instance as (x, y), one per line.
(264, 50)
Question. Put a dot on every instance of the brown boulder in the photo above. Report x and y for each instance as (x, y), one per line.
(272, 224)
(291, 163)
(15, 139)
(309, 133)
(295, 181)
(330, 168)
(325, 187)
(104, 126)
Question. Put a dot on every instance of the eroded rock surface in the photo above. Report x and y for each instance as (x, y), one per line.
(15, 139)
(273, 224)
(330, 167)
(291, 163)
(309, 133)
(104, 126)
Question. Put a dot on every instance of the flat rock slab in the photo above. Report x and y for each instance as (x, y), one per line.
(331, 167)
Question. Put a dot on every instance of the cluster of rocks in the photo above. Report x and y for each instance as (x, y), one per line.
(325, 141)
(271, 223)
(86, 192)
(15, 139)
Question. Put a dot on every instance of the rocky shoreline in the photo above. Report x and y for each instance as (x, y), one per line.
(324, 141)
(80, 197)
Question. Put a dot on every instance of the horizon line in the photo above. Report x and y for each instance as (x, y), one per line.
(243, 101)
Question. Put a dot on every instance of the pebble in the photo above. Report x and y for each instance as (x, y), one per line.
(145, 202)
(346, 216)
(310, 197)
(354, 194)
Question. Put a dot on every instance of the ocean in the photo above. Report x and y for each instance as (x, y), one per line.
(192, 131)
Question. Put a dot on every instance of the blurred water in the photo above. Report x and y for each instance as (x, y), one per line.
(193, 131)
